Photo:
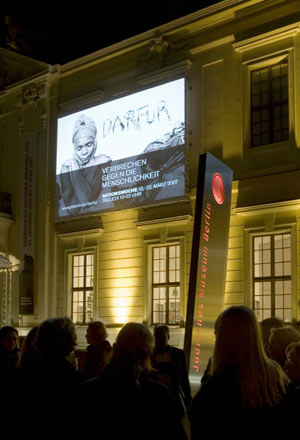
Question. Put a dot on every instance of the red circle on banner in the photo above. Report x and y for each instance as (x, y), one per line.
(218, 188)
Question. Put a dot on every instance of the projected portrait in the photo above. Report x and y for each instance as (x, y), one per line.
(79, 175)
(140, 159)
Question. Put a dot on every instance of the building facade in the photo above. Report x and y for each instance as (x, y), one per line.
(241, 64)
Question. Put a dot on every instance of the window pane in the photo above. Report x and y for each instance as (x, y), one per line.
(266, 313)
(266, 302)
(258, 302)
(287, 317)
(172, 251)
(172, 264)
(89, 282)
(287, 287)
(162, 292)
(80, 282)
(257, 243)
(257, 288)
(258, 257)
(278, 287)
(267, 288)
(279, 313)
(287, 301)
(258, 314)
(156, 253)
(287, 254)
(156, 277)
(287, 269)
(278, 241)
(267, 256)
(156, 293)
(278, 255)
(162, 265)
(287, 240)
(278, 269)
(266, 270)
(266, 242)
(172, 276)
(258, 271)
(163, 277)
(279, 301)
(163, 252)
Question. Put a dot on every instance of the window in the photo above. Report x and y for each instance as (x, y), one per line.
(269, 104)
(166, 284)
(272, 272)
(82, 288)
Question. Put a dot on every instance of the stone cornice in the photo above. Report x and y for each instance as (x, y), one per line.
(168, 221)
(267, 38)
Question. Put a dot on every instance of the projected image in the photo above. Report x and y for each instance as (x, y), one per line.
(122, 154)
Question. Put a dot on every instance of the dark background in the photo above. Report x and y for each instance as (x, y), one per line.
(56, 34)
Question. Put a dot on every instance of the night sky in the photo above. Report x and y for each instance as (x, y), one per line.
(60, 34)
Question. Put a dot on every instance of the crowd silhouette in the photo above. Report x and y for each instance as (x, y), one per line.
(139, 387)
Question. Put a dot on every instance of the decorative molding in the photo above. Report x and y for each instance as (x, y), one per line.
(267, 38)
(89, 233)
(161, 49)
(266, 208)
(212, 45)
(32, 95)
(176, 69)
(86, 100)
(163, 222)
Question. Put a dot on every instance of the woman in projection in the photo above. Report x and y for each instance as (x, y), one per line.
(80, 178)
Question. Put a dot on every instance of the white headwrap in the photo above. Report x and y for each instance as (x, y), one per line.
(84, 126)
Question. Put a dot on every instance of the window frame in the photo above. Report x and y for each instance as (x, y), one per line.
(278, 156)
(149, 292)
(167, 284)
(270, 105)
(272, 277)
(69, 299)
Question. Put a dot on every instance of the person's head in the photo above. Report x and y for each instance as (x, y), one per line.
(280, 338)
(239, 349)
(30, 340)
(133, 348)
(266, 325)
(96, 333)
(56, 337)
(84, 139)
(292, 363)
(161, 336)
(8, 338)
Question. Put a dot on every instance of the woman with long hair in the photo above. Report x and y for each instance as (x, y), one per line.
(128, 401)
(244, 383)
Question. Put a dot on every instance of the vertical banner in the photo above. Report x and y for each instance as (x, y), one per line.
(27, 218)
(208, 262)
